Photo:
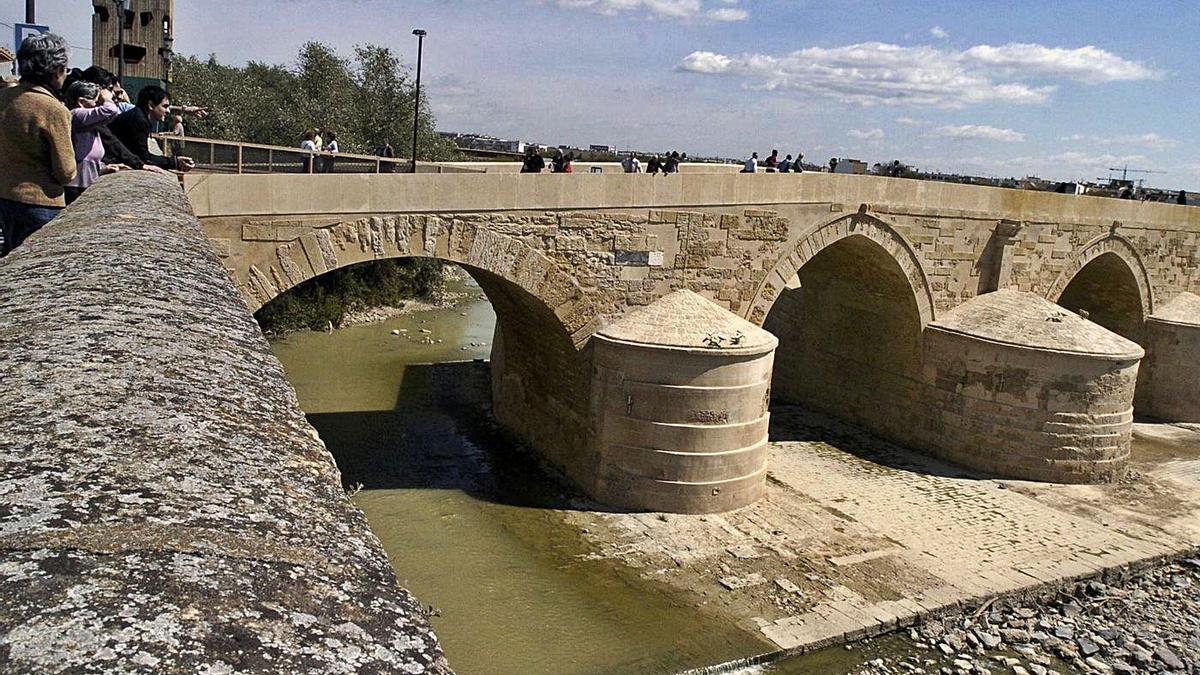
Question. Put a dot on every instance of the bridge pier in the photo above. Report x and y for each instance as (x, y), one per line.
(679, 407)
(1169, 387)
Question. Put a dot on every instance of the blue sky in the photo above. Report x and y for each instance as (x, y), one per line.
(1061, 89)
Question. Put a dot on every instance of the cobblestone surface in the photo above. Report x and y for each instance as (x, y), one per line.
(858, 537)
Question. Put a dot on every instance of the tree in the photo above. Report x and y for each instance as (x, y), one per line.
(367, 101)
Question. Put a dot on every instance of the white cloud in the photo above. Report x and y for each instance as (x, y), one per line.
(709, 63)
(1152, 141)
(982, 132)
(874, 73)
(727, 14)
(1085, 64)
(939, 33)
(659, 9)
(909, 121)
(866, 134)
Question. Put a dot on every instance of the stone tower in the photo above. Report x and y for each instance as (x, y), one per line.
(149, 36)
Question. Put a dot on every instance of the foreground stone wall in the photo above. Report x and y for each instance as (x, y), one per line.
(164, 505)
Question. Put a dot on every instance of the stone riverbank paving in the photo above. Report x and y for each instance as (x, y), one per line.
(859, 537)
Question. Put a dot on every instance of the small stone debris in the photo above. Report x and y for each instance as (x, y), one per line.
(786, 585)
(1146, 622)
(744, 552)
(1169, 658)
(736, 583)
(1087, 647)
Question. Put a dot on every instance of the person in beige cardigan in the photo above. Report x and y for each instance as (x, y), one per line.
(36, 155)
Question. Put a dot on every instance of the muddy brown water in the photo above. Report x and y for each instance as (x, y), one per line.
(476, 530)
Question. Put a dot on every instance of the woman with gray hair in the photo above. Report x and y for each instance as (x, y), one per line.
(36, 155)
(91, 108)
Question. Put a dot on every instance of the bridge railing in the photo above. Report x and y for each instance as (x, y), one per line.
(221, 156)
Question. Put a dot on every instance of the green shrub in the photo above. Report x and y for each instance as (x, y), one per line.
(326, 299)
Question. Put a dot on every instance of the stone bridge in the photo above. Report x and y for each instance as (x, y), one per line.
(1002, 329)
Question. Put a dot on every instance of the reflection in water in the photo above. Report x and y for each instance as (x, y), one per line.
(471, 524)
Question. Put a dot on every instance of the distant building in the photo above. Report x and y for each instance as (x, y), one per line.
(482, 142)
(850, 166)
(602, 148)
(149, 37)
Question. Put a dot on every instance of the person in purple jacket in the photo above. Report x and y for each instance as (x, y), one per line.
(91, 108)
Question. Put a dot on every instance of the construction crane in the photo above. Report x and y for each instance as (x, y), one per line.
(1125, 171)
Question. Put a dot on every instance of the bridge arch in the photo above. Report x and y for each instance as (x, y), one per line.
(833, 231)
(1107, 279)
(543, 318)
(850, 323)
(502, 257)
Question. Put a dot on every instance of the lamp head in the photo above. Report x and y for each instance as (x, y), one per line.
(419, 33)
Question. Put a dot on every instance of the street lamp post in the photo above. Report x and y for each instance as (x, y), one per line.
(30, 13)
(120, 39)
(167, 52)
(417, 96)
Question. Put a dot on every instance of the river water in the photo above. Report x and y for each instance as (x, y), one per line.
(476, 530)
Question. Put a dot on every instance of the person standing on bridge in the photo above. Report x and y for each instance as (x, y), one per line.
(751, 164)
(672, 163)
(772, 161)
(331, 147)
(133, 128)
(1181, 198)
(37, 157)
(91, 108)
(386, 151)
(558, 163)
(532, 162)
(309, 145)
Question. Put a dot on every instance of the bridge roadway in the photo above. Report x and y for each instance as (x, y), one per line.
(879, 291)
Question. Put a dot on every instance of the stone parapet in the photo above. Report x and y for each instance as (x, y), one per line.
(164, 504)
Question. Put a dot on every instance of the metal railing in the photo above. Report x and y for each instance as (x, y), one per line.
(222, 156)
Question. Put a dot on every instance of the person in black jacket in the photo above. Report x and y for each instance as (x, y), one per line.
(133, 128)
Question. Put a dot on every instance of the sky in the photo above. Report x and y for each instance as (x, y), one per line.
(1062, 89)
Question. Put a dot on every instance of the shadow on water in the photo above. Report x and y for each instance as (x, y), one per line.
(803, 425)
(441, 436)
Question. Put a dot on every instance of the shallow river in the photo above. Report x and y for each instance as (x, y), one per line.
(473, 527)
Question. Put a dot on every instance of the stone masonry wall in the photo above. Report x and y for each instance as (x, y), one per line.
(164, 504)
(741, 257)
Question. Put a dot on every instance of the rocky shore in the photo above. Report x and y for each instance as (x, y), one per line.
(1147, 622)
